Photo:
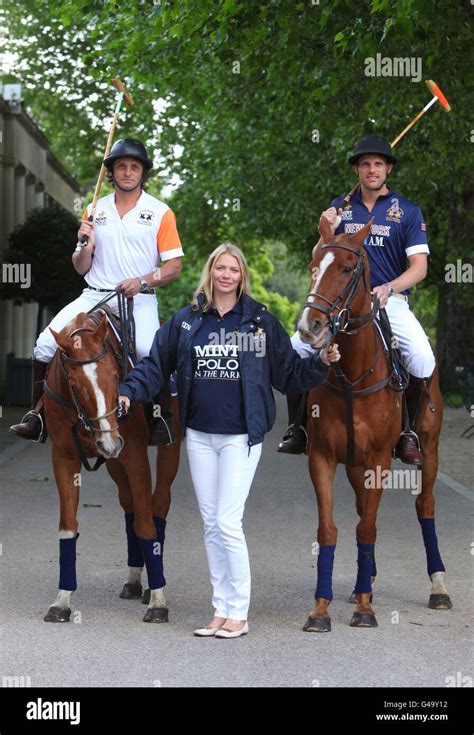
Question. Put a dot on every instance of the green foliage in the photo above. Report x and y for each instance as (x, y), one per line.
(265, 101)
(246, 86)
(45, 242)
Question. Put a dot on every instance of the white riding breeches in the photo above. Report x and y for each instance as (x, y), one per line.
(414, 345)
(145, 312)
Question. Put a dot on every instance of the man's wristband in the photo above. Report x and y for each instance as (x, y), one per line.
(390, 290)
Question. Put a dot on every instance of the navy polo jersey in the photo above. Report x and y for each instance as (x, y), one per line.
(399, 230)
(216, 403)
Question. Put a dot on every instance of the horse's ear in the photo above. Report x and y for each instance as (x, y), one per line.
(325, 229)
(359, 237)
(62, 341)
(101, 330)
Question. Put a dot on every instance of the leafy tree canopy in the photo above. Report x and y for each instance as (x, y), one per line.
(253, 107)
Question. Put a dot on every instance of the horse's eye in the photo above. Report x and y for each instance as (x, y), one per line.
(347, 270)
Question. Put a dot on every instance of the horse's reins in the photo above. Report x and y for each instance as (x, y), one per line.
(125, 307)
(336, 325)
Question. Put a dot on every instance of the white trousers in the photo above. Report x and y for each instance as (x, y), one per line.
(145, 312)
(415, 348)
(222, 472)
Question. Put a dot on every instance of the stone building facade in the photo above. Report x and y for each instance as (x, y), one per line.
(30, 176)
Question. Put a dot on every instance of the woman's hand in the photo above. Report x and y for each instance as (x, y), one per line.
(330, 354)
(124, 405)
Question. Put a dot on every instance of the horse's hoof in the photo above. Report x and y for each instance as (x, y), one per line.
(146, 597)
(131, 591)
(58, 615)
(440, 602)
(353, 598)
(318, 625)
(156, 615)
(363, 620)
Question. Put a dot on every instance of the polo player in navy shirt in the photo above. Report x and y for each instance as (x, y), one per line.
(398, 251)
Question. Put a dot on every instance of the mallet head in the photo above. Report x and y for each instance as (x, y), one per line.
(435, 90)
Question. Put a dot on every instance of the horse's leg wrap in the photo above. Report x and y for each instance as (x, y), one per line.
(365, 567)
(152, 551)
(160, 525)
(325, 567)
(135, 554)
(374, 568)
(433, 557)
(67, 564)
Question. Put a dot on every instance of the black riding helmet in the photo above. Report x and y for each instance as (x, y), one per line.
(128, 148)
(372, 145)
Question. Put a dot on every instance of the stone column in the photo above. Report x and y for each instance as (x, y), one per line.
(8, 208)
(17, 326)
(29, 327)
(19, 214)
(39, 190)
(30, 197)
(6, 344)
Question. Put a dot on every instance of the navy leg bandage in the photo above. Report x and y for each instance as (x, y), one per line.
(433, 557)
(152, 552)
(67, 564)
(365, 566)
(325, 566)
(160, 525)
(135, 555)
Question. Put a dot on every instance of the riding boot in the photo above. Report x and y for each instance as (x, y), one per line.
(32, 425)
(295, 440)
(408, 448)
(161, 427)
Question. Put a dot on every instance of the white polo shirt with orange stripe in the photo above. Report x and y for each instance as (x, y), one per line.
(133, 245)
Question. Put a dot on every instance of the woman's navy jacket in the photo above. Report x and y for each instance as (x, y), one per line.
(278, 365)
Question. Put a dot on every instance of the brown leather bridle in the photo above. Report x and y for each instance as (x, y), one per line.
(82, 418)
(341, 321)
(338, 324)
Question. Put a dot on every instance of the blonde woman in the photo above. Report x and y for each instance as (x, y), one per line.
(229, 353)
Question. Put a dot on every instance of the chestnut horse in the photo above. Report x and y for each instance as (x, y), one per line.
(339, 306)
(82, 416)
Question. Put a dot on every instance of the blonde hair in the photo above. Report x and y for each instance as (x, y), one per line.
(205, 283)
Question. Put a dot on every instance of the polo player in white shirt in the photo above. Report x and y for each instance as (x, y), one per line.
(133, 244)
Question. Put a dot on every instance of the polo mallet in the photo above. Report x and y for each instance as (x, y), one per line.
(438, 96)
(123, 94)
